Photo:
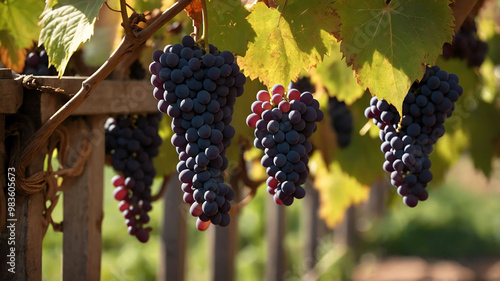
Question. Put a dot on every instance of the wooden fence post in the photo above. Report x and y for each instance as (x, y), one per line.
(83, 202)
(173, 233)
(276, 258)
(311, 225)
(224, 241)
(26, 225)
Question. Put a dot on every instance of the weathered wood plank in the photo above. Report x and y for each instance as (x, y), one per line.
(11, 96)
(83, 202)
(27, 224)
(276, 258)
(311, 222)
(113, 97)
(224, 242)
(5, 73)
(173, 234)
(25, 231)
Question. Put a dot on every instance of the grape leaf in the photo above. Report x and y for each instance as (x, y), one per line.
(482, 134)
(338, 79)
(337, 191)
(388, 45)
(288, 42)
(226, 19)
(142, 6)
(65, 26)
(194, 11)
(241, 111)
(447, 151)
(18, 27)
(165, 162)
(11, 56)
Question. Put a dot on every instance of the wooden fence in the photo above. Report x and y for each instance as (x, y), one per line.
(83, 190)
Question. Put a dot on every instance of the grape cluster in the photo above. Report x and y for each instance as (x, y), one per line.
(198, 90)
(132, 142)
(283, 124)
(37, 63)
(303, 84)
(408, 141)
(342, 121)
(466, 45)
(137, 72)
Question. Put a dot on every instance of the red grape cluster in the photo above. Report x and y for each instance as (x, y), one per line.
(132, 142)
(283, 124)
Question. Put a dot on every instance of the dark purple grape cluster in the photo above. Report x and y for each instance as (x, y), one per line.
(342, 121)
(132, 142)
(137, 71)
(37, 63)
(283, 124)
(466, 45)
(198, 90)
(407, 142)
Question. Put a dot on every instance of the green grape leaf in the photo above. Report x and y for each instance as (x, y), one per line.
(447, 151)
(166, 161)
(482, 133)
(19, 25)
(337, 191)
(362, 158)
(142, 6)
(241, 111)
(65, 26)
(228, 19)
(288, 42)
(338, 79)
(389, 45)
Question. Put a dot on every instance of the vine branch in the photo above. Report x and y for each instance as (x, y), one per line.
(243, 175)
(128, 44)
(125, 19)
(163, 188)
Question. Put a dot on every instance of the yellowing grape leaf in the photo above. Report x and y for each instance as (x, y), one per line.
(166, 162)
(337, 191)
(389, 45)
(228, 27)
(65, 26)
(338, 79)
(288, 42)
(194, 11)
(11, 56)
(362, 159)
(241, 111)
(18, 29)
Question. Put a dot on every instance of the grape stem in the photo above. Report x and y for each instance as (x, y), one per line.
(131, 41)
(243, 175)
(163, 188)
(204, 16)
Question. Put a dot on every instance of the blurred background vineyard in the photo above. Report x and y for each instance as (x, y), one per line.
(364, 231)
